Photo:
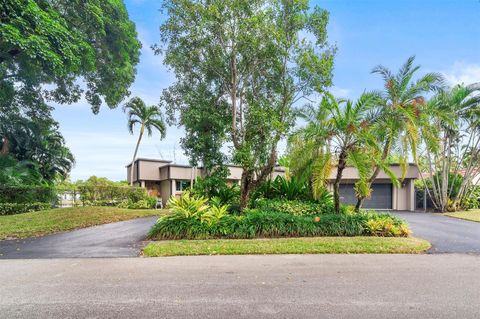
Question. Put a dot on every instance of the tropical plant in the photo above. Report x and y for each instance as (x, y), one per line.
(251, 58)
(284, 188)
(343, 130)
(148, 117)
(451, 154)
(401, 115)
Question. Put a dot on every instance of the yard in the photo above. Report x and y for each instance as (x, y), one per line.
(62, 219)
(315, 245)
(472, 215)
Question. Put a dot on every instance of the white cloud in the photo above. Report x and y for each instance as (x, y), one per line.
(464, 73)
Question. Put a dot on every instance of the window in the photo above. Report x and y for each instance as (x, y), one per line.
(180, 186)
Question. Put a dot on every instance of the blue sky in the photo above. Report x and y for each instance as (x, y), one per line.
(443, 35)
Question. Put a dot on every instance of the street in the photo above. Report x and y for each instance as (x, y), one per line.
(281, 286)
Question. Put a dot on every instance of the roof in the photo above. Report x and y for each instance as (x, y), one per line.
(148, 160)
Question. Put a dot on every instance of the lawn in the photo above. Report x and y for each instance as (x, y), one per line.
(312, 245)
(62, 219)
(473, 215)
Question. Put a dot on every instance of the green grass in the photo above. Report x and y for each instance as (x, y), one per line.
(473, 215)
(61, 219)
(312, 245)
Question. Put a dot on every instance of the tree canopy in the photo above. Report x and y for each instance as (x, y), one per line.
(255, 59)
(59, 51)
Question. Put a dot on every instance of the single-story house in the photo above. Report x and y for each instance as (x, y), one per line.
(164, 179)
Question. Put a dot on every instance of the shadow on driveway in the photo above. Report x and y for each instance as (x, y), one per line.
(122, 239)
(447, 234)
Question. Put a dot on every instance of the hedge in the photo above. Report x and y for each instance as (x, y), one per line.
(18, 208)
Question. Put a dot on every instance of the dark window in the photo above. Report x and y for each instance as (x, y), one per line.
(182, 185)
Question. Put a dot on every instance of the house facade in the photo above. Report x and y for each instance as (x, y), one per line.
(385, 195)
(164, 179)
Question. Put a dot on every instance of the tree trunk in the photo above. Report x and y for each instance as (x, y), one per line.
(245, 188)
(336, 187)
(135, 155)
(5, 147)
(386, 151)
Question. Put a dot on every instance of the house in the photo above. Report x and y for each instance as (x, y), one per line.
(163, 179)
(384, 195)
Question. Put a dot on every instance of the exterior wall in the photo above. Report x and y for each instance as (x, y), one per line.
(134, 174)
(350, 173)
(165, 191)
(183, 172)
(150, 170)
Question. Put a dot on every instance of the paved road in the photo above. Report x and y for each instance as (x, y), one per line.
(282, 286)
(122, 239)
(447, 234)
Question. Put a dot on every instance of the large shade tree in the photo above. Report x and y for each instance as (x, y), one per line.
(149, 118)
(61, 51)
(256, 58)
(402, 113)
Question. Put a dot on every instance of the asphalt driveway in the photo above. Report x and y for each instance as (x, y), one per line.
(447, 234)
(122, 239)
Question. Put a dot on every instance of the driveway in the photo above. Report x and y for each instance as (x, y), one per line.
(279, 286)
(122, 239)
(447, 234)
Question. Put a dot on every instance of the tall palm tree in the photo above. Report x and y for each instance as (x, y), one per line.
(338, 133)
(148, 117)
(452, 144)
(401, 113)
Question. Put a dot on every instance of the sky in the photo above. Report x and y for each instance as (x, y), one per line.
(443, 35)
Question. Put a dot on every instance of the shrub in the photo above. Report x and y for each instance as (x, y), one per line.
(294, 207)
(281, 187)
(190, 217)
(148, 202)
(18, 208)
(27, 194)
(385, 225)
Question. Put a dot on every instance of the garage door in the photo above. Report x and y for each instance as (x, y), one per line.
(381, 196)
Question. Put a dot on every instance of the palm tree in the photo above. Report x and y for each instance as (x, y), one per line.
(401, 113)
(337, 133)
(452, 144)
(148, 117)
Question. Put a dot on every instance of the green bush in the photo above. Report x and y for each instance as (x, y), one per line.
(27, 194)
(294, 207)
(148, 202)
(19, 208)
(281, 187)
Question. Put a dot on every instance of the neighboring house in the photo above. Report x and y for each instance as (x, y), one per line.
(164, 179)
